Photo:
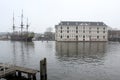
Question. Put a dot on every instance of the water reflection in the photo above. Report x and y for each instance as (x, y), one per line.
(21, 52)
(14, 53)
(88, 51)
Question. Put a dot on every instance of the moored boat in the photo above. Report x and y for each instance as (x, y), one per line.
(21, 35)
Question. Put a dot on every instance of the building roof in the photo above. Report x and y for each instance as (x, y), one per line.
(77, 23)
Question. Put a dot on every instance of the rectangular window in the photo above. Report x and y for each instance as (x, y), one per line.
(97, 28)
(67, 27)
(67, 36)
(61, 27)
(61, 37)
(103, 37)
(76, 27)
(83, 36)
(97, 37)
(83, 27)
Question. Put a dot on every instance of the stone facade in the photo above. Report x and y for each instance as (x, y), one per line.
(81, 31)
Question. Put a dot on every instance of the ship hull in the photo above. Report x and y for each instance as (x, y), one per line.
(21, 38)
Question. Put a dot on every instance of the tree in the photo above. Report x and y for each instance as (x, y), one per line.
(49, 35)
(49, 29)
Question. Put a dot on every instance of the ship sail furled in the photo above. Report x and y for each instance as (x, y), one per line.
(21, 35)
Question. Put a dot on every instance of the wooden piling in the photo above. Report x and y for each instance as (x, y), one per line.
(43, 69)
(19, 74)
(34, 77)
(14, 74)
(29, 76)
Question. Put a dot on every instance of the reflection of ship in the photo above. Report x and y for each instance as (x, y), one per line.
(24, 49)
(21, 35)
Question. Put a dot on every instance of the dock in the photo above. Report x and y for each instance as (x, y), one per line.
(7, 69)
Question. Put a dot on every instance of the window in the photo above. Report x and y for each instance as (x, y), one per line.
(76, 37)
(76, 27)
(67, 31)
(97, 31)
(67, 27)
(67, 36)
(83, 31)
(76, 31)
(61, 31)
(83, 27)
(103, 31)
(61, 27)
(83, 39)
(97, 37)
(97, 28)
(89, 31)
(89, 37)
(61, 37)
(104, 28)
(83, 36)
(103, 37)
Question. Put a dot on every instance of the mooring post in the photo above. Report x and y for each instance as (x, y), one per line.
(14, 74)
(19, 74)
(43, 69)
(34, 77)
(29, 76)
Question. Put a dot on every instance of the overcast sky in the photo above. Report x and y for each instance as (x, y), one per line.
(47, 13)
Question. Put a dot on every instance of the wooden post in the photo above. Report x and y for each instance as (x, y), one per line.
(19, 74)
(29, 76)
(34, 77)
(43, 69)
(14, 74)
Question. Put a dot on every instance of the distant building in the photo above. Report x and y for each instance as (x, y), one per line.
(114, 35)
(81, 31)
(50, 36)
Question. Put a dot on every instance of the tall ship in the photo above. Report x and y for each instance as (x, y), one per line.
(23, 34)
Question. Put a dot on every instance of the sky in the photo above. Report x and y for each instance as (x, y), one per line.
(47, 13)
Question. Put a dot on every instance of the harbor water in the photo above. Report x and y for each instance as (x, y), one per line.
(66, 60)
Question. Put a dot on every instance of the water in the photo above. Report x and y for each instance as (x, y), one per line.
(66, 60)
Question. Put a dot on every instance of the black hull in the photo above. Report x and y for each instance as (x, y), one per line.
(27, 39)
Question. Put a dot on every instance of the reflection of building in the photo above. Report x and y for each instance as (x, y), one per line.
(84, 50)
(81, 31)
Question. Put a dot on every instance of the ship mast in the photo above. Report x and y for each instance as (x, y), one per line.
(22, 22)
(27, 25)
(13, 23)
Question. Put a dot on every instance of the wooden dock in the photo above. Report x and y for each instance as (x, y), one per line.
(7, 69)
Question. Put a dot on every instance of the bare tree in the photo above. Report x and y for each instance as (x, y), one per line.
(49, 29)
(49, 35)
